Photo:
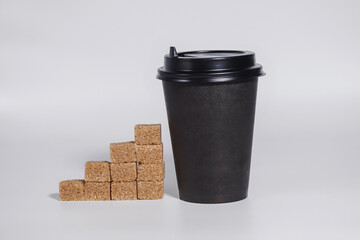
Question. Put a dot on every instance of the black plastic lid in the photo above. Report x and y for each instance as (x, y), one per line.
(209, 66)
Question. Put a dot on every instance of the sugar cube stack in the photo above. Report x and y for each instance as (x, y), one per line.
(149, 155)
(97, 181)
(123, 171)
(136, 171)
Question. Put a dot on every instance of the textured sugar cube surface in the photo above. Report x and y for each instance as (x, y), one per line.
(151, 172)
(122, 152)
(149, 153)
(97, 191)
(148, 134)
(72, 190)
(150, 190)
(123, 172)
(123, 190)
(97, 171)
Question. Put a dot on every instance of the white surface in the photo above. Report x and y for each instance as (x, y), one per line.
(77, 75)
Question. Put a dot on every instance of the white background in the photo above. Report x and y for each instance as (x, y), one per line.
(77, 75)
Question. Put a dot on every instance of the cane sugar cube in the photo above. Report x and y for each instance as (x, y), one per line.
(151, 172)
(148, 134)
(97, 191)
(123, 172)
(72, 190)
(123, 190)
(97, 171)
(149, 153)
(122, 152)
(150, 190)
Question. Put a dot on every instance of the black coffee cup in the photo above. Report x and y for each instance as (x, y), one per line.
(210, 100)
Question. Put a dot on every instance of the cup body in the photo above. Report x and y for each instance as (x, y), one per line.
(210, 101)
(211, 128)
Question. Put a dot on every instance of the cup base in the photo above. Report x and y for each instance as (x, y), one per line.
(213, 200)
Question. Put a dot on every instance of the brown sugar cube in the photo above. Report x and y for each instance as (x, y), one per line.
(122, 152)
(97, 191)
(148, 134)
(123, 191)
(123, 172)
(150, 190)
(149, 153)
(72, 190)
(151, 172)
(97, 171)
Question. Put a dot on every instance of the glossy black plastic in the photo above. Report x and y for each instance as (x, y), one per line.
(211, 127)
(209, 66)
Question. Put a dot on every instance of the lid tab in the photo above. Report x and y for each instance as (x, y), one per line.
(173, 52)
